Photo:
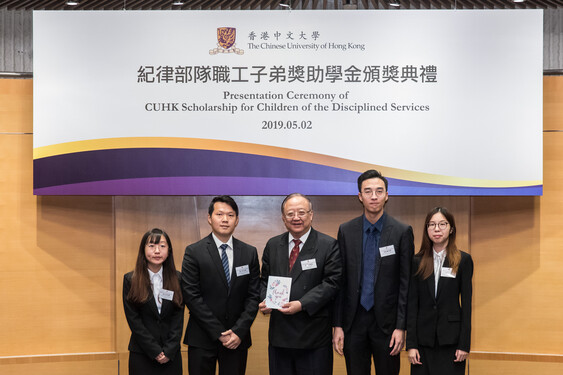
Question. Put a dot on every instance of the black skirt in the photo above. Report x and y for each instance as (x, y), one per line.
(141, 364)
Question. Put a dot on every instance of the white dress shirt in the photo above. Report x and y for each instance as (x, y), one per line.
(438, 263)
(229, 249)
(291, 244)
(156, 284)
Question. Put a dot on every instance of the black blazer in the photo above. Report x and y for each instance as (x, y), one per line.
(314, 288)
(151, 332)
(441, 317)
(392, 284)
(214, 306)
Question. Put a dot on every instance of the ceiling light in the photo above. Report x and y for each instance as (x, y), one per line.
(394, 3)
(518, 1)
(72, 2)
(178, 2)
(285, 6)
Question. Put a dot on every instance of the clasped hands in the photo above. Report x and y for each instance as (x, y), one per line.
(161, 358)
(229, 339)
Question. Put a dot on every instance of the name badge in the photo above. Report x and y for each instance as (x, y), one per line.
(447, 272)
(308, 264)
(242, 270)
(166, 294)
(387, 250)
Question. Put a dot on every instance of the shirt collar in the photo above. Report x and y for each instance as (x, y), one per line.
(159, 273)
(378, 224)
(303, 238)
(218, 242)
(439, 255)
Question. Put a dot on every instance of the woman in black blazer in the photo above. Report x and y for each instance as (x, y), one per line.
(152, 300)
(438, 325)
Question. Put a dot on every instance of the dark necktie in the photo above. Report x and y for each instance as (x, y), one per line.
(225, 262)
(370, 258)
(294, 254)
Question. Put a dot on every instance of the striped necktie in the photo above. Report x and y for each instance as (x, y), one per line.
(225, 262)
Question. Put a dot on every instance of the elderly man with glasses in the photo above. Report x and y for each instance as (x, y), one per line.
(301, 330)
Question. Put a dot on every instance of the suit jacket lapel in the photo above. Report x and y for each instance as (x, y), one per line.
(236, 260)
(307, 252)
(385, 233)
(442, 280)
(430, 282)
(383, 241)
(214, 254)
(357, 239)
(283, 255)
(165, 307)
(152, 304)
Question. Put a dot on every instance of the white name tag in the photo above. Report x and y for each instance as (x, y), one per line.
(166, 294)
(308, 264)
(447, 272)
(387, 250)
(242, 270)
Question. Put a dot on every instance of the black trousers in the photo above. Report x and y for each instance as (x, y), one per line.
(366, 340)
(285, 361)
(438, 360)
(204, 361)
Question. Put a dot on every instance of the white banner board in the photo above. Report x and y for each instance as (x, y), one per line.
(272, 102)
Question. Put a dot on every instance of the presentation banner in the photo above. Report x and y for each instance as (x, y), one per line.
(272, 102)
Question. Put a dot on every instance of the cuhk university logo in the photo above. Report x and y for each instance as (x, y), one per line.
(226, 38)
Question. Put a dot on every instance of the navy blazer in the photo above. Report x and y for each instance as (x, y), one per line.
(214, 305)
(151, 332)
(392, 284)
(315, 288)
(441, 317)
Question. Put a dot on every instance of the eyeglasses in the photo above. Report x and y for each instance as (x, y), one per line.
(300, 214)
(379, 192)
(441, 225)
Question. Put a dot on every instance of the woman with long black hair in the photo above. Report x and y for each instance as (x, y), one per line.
(152, 300)
(439, 304)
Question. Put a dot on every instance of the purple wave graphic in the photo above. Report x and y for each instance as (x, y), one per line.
(204, 172)
(163, 162)
(256, 186)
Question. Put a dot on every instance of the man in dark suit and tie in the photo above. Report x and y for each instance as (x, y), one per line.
(371, 308)
(300, 331)
(221, 288)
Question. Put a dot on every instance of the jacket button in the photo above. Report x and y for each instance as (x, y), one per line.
(435, 307)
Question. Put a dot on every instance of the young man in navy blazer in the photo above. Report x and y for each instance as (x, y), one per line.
(371, 309)
(300, 332)
(221, 289)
